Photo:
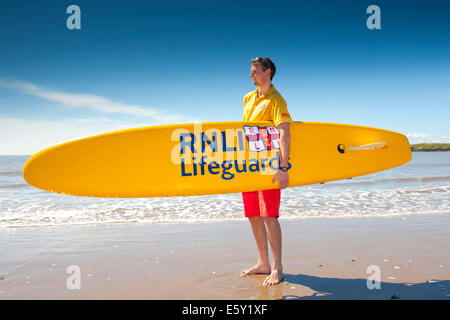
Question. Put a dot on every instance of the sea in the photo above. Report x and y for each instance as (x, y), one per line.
(422, 186)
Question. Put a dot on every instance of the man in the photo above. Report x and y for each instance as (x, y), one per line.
(262, 207)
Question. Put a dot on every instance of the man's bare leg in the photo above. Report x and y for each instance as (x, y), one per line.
(260, 234)
(274, 233)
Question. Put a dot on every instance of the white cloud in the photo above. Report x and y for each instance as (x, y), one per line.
(27, 136)
(427, 138)
(23, 136)
(93, 102)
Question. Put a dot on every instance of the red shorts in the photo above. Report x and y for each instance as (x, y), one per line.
(264, 203)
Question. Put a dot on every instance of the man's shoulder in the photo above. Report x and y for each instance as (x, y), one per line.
(276, 96)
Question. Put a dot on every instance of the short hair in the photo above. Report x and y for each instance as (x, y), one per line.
(265, 64)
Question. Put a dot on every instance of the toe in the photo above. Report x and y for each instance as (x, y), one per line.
(267, 282)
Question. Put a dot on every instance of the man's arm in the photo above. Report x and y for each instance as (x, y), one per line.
(285, 147)
(285, 143)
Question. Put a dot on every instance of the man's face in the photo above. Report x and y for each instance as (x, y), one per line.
(259, 76)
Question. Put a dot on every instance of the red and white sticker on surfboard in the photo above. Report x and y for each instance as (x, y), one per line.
(262, 138)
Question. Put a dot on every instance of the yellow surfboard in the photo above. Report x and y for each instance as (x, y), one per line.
(211, 158)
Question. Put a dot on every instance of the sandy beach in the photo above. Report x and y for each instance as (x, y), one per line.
(324, 258)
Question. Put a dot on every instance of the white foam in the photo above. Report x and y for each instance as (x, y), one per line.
(401, 191)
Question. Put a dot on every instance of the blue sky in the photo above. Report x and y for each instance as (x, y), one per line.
(139, 63)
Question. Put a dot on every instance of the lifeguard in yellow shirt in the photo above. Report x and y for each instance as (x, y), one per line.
(262, 207)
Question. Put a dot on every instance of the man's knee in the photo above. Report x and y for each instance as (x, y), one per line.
(256, 220)
(270, 220)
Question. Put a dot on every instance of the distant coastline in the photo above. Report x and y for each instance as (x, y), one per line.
(430, 147)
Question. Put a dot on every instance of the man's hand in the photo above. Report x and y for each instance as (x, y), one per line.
(282, 177)
(285, 146)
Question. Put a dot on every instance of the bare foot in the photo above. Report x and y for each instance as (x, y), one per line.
(275, 277)
(258, 269)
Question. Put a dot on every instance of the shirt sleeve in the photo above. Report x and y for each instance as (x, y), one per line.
(280, 113)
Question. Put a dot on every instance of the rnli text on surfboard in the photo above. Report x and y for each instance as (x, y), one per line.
(201, 165)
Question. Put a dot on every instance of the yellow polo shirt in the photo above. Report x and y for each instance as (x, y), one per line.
(269, 107)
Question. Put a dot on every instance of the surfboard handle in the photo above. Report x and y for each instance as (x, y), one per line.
(372, 146)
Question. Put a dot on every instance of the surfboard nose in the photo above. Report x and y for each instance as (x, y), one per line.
(34, 171)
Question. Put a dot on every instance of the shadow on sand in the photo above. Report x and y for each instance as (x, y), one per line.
(355, 289)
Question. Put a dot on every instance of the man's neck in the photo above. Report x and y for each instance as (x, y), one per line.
(263, 89)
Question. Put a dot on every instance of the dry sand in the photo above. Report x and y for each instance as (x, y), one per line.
(324, 258)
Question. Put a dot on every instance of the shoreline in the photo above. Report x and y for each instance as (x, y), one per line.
(323, 259)
(430, 147)
(217, 221)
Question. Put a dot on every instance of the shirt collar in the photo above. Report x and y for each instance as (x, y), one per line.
(271, 90)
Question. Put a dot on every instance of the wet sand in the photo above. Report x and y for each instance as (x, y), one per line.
(324, 258)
